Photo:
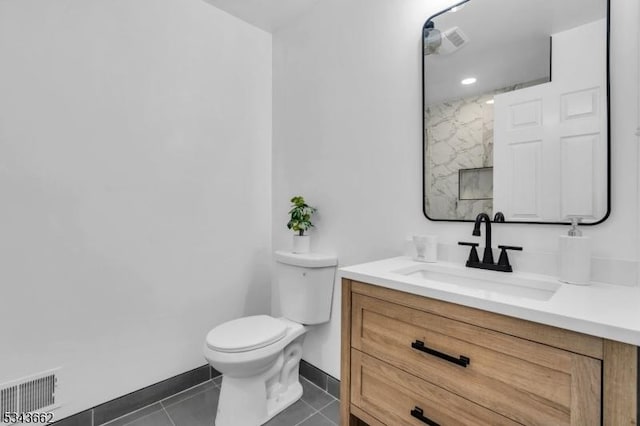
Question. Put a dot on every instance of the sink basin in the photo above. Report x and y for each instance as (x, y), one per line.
(485, 283)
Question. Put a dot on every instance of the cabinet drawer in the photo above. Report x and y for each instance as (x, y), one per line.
(391, 395)
(527, 382)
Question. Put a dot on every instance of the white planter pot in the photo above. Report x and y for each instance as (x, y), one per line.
(301, 243)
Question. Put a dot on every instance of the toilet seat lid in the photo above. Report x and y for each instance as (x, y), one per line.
(246, 334)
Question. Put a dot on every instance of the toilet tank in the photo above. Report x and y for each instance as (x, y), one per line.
(305, 285)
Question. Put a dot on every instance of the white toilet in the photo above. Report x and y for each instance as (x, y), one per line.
(259, 355)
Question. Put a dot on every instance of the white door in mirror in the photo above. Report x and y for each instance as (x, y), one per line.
(550, 140)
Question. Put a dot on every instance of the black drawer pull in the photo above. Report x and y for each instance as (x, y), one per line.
(419, 414)
(463, 361)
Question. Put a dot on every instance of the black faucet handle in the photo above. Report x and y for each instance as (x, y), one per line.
(473, 254)
(510, 248)
(464, 243)
(504, 259)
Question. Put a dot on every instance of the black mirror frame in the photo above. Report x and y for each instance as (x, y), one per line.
(424, 133)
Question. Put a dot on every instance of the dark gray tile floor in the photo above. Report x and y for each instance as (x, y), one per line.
(197, 407)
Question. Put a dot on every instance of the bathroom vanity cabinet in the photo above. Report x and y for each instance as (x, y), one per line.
(412, 360)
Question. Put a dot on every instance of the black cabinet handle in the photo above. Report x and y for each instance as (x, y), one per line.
(419, 414)
(463, 361)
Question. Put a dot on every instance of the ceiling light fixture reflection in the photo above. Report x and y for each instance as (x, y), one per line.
(457, 8)
(490, 102)
(468, 81)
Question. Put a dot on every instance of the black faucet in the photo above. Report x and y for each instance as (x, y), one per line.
(487, 257)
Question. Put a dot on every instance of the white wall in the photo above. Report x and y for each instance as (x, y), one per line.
(135, 166)
(347, 119)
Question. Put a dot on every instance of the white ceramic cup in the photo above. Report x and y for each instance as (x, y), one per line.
(426, 248)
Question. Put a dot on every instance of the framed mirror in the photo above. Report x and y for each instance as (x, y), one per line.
(516, 111)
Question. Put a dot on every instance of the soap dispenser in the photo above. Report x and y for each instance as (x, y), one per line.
(575, 256)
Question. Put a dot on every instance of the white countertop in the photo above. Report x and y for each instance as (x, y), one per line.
(603, 310)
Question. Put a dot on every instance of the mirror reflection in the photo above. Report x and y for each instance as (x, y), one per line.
(516, 111)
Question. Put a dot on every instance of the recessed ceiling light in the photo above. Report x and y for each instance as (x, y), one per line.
(490, 102)
(468, 81)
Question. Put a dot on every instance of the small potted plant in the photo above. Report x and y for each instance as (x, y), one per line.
(300, 221)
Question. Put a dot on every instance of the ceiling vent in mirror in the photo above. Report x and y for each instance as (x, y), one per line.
(452, 40)
(445, 42)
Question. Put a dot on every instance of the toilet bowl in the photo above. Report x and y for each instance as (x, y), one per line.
(259, 355)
